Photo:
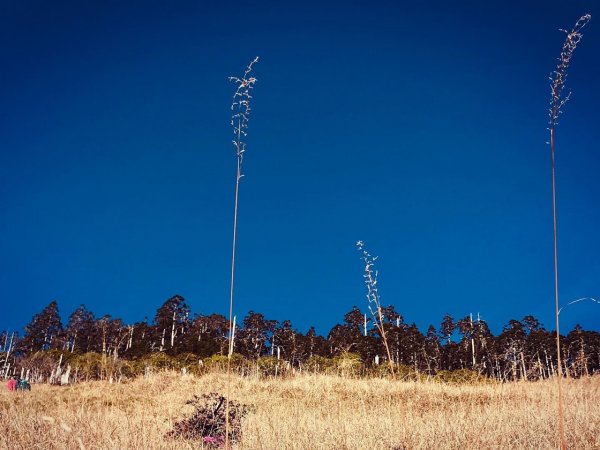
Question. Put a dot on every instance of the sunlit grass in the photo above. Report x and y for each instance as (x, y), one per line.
(305, 412)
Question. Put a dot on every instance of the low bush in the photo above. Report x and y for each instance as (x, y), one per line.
(207, 422)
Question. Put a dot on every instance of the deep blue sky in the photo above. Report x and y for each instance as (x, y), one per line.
(417, 127)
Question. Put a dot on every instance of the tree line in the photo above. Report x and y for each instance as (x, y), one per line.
(523, 350)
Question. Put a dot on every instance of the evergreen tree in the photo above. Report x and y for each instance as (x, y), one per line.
(447, 328)
(207, 336)
(348, 337)
(43, 332)
(412, 349)
(79, 330)
(511, 348)
(255, 336)
(540, 349)
(171, 323)
(433, 351)
(140, 340)
(285, 343)
(312, 344)
(109, 336)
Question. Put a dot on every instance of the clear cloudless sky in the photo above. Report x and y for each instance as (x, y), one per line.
(417, 127)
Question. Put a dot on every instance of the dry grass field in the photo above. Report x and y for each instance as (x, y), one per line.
(304, 412)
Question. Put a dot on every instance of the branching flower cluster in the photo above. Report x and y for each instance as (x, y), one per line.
(370, 277)
(240, 109)
(558, 78)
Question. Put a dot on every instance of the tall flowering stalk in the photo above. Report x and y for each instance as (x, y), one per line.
(374, 302)
(558, 99)
(240, 115)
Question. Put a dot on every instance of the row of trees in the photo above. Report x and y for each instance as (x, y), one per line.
(523, 350)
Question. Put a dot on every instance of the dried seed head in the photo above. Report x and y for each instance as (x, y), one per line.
(240, 108)
(558, 77)
(370, 275)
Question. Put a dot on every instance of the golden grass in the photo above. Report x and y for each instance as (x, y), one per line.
(305, 412)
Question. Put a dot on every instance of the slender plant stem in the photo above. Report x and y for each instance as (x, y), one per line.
(557, 100)
(370, 278)
(235, 217)
(239, 121)
(561, 412)
(385, 343)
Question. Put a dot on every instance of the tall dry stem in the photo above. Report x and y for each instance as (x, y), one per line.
(370, 277)
(557, 101)
(240, 115)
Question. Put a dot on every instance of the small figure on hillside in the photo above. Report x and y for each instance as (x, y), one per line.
(12, 384)
(23, 385)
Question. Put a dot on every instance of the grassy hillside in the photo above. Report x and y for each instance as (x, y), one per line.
(304, 412)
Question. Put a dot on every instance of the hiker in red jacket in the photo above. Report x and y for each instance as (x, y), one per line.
(12, 384)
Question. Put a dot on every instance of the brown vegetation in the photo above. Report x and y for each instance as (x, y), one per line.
(304, 412)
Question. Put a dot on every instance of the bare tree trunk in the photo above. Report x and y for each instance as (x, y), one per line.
(173, 332)
(130, 341)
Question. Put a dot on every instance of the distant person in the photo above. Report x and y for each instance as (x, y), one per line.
(23, 385)
(12, 384)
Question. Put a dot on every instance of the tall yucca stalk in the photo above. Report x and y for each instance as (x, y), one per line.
(240, 115)
(557, 101)
(374, 303)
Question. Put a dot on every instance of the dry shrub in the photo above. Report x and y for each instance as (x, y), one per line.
(208, 420)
